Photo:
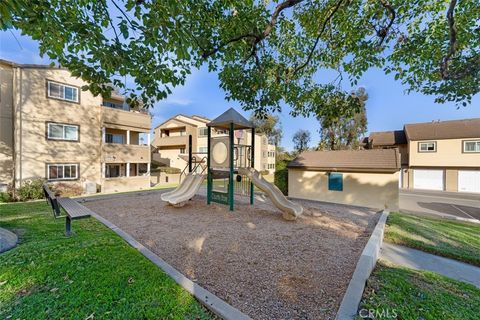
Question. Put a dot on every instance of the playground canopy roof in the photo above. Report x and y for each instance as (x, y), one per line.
(231, 116)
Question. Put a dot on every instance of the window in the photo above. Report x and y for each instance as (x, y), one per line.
(115, 105)
(202, 132)
(114, 138)
(182, 150)
(203, 149)
(62, 171)
(335, 182)
(62, 91)
(471, 146)
(142, 169)
(58, 131)
(114, 170)
(427, 146)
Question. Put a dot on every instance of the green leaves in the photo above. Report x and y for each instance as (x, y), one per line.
(265, 54)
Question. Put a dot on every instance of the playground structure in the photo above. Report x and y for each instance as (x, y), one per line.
(229, 169)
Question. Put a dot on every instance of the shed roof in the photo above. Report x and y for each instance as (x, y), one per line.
(374, 160)
(452, 129)
(230, 116)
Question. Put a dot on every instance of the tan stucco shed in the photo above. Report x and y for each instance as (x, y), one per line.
(356, 177)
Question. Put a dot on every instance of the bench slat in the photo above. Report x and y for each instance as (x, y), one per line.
(74, 209)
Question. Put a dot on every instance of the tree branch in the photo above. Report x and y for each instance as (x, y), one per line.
(125, 15)
(256, 37)
(320, 32)
(452, 48)
(226, 43)
(382, 33)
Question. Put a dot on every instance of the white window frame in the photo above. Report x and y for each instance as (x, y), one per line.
(62, 90)
(62, 165)
(203, 129)
(477, 146)
(427, 143)
(64, 136)
(203, 149)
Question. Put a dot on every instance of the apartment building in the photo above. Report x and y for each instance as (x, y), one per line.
(437, 155)
(170, 142)
(52, 129)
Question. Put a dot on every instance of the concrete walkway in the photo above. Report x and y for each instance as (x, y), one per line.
(420, 260)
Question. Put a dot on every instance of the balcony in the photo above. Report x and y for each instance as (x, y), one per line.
(113, 152)
(120, 118)
(172, 141)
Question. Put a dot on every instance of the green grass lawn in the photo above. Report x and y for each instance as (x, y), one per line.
(452, 239)
(411, 294)
(91, 275)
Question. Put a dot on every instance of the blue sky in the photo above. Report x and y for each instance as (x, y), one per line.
(388, 107)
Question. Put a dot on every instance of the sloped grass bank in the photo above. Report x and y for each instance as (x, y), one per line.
(94, 274)
(451, 239)
(401, 293)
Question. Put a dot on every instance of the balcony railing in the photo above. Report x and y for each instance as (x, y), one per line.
(127, 118)
(113, 152)
(172, 141)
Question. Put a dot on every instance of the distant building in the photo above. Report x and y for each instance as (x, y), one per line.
(438, 155)
(170, 142)
(52, 129)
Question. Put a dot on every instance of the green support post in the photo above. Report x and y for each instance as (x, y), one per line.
(209, 174)
(252, 164)
(230, 179)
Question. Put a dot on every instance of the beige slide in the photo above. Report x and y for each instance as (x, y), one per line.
(185, 191)
(291, 210)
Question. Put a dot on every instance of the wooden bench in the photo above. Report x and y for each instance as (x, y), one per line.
(73, 209)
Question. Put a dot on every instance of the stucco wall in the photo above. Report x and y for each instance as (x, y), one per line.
(449, 154)
(125, 184)
(34, 109)
(376, 190)
(160, 178)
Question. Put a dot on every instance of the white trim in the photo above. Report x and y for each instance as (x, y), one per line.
(62, 90)
(62, 165)
(477, 146)
(64, 125)
(427, 143)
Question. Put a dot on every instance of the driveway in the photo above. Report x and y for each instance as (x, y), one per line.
(463, 205)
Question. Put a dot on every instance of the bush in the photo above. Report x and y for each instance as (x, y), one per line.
(169, 170)
(6, 197)
(281, 176)
(30, 190)
(264, 172)
(63, 189)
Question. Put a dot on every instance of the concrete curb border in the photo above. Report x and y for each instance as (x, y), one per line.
(365, 265)
(208, 299)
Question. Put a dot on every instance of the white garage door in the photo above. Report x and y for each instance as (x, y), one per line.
(468, 181)
(428, 179)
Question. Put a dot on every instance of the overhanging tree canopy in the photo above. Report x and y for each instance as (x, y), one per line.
(264, 52)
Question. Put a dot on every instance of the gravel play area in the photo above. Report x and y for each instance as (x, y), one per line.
(264, 266)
